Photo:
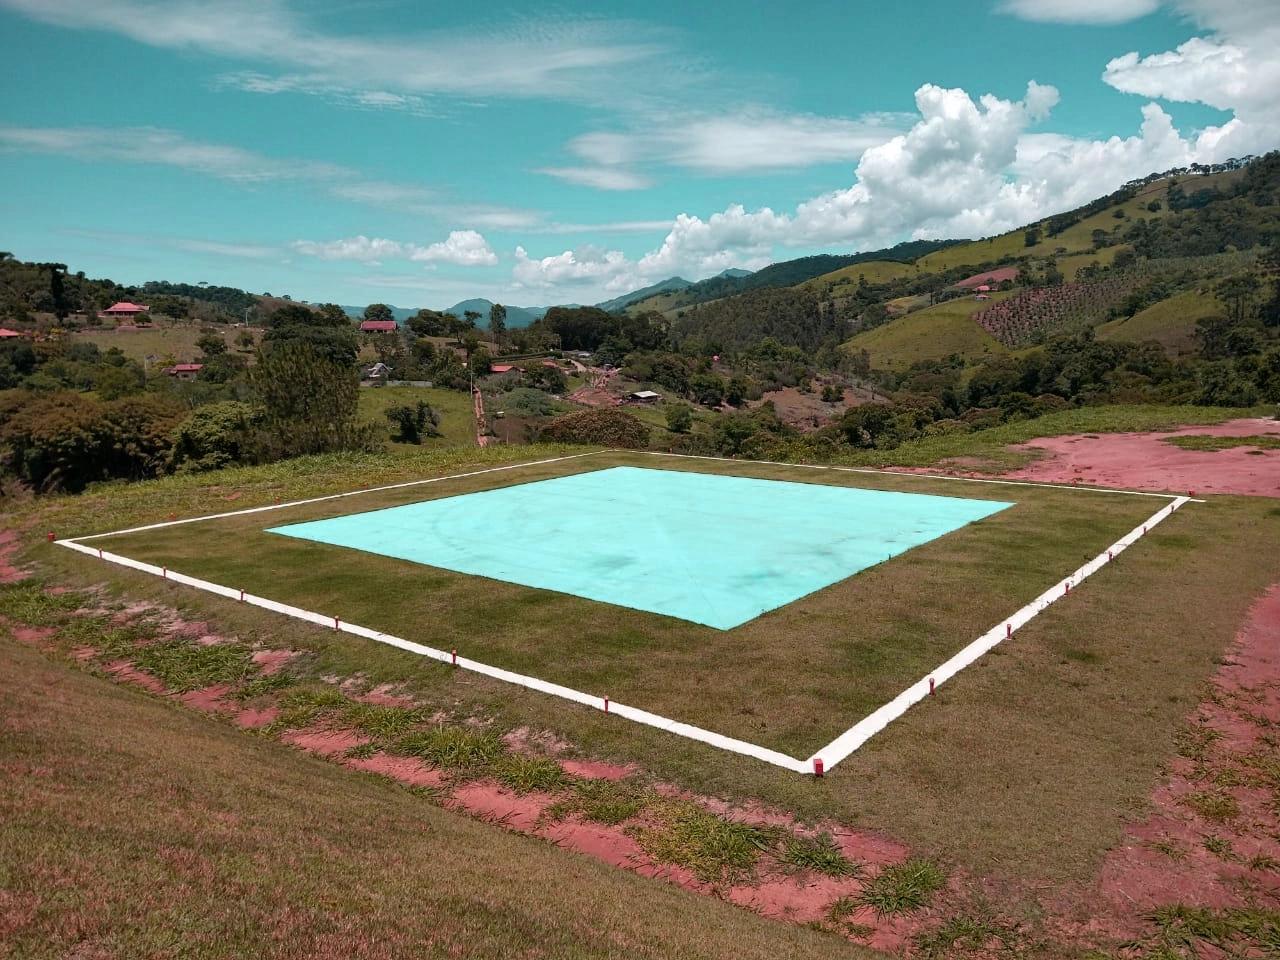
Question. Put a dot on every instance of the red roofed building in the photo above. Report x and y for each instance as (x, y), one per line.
(377, 326)
(125, 310)
(6, 333)
(992, 278)
(184, 371)
(501, 367)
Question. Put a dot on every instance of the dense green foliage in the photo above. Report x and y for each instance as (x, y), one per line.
(605, 427)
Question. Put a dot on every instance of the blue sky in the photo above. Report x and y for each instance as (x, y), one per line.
(423, 152)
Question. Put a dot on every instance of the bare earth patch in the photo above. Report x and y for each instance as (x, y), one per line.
(1145, 461)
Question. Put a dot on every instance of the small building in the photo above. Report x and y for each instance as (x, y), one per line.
(7, 334)
(184, 371)
(378, 326)
(501, 367)
(124, 310)
(379, 373)
(644, 396)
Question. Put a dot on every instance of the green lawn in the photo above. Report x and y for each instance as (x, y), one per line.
(177, 341)
(131, 827)
(933, 333)
(816, 665)
(457, 418)
(1026, 766)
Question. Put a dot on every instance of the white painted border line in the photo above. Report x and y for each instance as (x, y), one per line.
(862, 731)
(829, 756)
(332, 496)
(922, 476)
(533, 683)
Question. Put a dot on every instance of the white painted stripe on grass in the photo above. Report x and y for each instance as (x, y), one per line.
(533, 683)
(832, 754)
(333, 496)
(862, 731)
(922, 476)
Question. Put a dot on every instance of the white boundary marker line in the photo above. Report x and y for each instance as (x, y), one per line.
(922, 476)
(862, 731)
(533, 683)
(824, 759)
(333, 496)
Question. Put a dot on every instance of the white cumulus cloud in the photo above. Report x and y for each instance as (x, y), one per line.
(1079, 11)
(463, 248)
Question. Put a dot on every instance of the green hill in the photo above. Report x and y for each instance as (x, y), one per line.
(1171, 322)
(933, 333)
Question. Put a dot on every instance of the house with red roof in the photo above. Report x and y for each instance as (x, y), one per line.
(184, 371)
(377, 326)
(124, 310)
(7, 334)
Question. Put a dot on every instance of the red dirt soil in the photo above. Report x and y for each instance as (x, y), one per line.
(10, 543)
(1245, 705)
(1144, 461)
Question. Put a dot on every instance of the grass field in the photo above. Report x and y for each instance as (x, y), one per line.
(130, 827)
(1025, 766)
(457, 419)
(1171, 322)
(178, 341)
(933, 333)
(875, 271)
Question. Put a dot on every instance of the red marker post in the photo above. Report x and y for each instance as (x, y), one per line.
(817, 766)
(931, 686)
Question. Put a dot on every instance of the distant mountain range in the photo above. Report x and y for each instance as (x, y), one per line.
(670, 285)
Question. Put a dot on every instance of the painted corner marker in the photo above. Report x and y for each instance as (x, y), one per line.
(862, 731)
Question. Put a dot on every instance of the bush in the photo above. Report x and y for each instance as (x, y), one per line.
(65, 441)
(414, 422)
(606, 427)
(679, 418)
(214, 436)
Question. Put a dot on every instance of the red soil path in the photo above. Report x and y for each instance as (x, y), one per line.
(1144, 461)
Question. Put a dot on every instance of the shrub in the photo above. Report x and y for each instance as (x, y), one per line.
(66, 441)
(604, 427)
(214, 436)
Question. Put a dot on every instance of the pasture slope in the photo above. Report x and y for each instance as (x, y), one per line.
(1054, 787)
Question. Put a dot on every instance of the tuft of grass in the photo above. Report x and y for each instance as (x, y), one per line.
(383, 722)
(1220, 847)
(524, 774)
(1183, 931)
(1193, 742)
(299, 707)
(1170, 849)
(601, 801)
(454, 748)
(1213, 444)
(1213, 805)
(965, 933)
(264, 684)
(903, 887)
(362, 751)
(29, 603)
(819, 854)
(712, 848)
(181, 665)
(1264, 862)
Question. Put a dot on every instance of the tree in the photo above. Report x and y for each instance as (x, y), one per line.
(1238, 293)
(707, 389)
(414, 422)
(212, 344)
(378, 311)
(244, 340)
(602, 426)
(216, 435)
(469, 318)
(498, 324)
(679, 418)
(309, 401)
(328, 331)
(1031, 237)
